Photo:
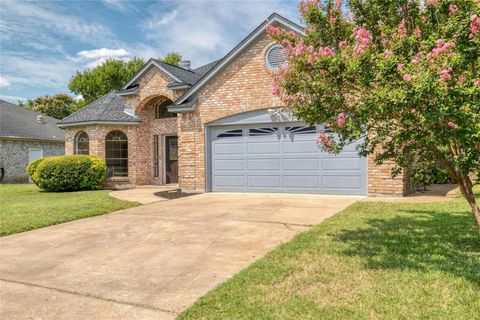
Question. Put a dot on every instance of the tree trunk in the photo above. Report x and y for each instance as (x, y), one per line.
(466, 187)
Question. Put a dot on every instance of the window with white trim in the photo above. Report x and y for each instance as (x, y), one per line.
(82, 143)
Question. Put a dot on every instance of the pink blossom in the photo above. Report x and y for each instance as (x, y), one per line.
(477, 82)
(453, 8)
(407, 77)
(461, 79)
(275, 89)
(424, 19)
(402, 29)
(445, 75)
(413, 111)
(338, 4)
(431, 2)
(326, 51)
(314, 2)
(333, 20)
(452, 124)
(341, 119)
(272, 30)
(325, 140)
(362, 40)
(414, 61)
(342, 44)
(388, 54)
(474, 25)
(418, 32)
(400, 67)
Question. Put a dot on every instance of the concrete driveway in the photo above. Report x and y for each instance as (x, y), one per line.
(148, 262)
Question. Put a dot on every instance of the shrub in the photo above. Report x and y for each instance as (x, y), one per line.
(68, 173)
(32, 167)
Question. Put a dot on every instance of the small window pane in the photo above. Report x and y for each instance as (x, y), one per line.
(301, 130)
(161, 110)
(262, 131)
(231, 133)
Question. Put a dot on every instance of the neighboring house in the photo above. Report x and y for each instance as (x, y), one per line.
(214, 128)
(26, 135)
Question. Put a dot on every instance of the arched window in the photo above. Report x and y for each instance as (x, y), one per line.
(161, 110)
(116, 154)
(81, 143)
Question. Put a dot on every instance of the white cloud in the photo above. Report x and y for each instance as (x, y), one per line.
(119, 5)
(12, 99)
(205, 30)
(103, 53)
(35, 25)
(4, 82)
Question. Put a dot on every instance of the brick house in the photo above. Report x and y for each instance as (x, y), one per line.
(214, 128)
(26, 135)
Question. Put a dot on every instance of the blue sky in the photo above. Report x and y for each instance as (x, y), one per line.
(44, 43)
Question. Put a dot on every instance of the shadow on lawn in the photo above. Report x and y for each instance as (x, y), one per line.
(421, 240)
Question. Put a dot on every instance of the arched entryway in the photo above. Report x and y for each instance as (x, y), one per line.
(159, 144)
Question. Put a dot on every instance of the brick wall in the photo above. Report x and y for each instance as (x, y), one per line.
(153, 88)
(14, 155)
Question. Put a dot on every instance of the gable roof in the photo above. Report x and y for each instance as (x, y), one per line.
(274, 18)
(107, 109)
(179, 75)
(20, 123)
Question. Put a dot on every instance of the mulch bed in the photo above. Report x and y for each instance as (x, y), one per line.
(173, 194)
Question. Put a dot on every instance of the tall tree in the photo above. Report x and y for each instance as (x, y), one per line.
(111, 74)
(58, 106)
(403, 75)
(172, 58)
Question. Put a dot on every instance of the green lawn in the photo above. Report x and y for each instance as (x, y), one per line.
(25, 207)
(372, 261)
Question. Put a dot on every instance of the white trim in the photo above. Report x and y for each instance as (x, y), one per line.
(85, 123)
(145, 68)
(274, 18)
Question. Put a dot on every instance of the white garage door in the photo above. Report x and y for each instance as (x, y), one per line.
(281, 158)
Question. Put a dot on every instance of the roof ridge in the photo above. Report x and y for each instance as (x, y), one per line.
(172, 65)
(87, 106)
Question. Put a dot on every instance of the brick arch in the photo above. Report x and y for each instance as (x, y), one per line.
(151, 100)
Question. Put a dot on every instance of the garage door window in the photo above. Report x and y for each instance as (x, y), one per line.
(262, 131)
(231, 133)
(300, 130)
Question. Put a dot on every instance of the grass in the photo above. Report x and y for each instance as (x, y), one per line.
(26, 207)
(374, 260)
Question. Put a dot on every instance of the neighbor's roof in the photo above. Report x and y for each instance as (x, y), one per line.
(107, 109)
(20, 123)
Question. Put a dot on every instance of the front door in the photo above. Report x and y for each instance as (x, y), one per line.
(171, 159)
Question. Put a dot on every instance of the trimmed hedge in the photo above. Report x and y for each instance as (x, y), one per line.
(68, 173)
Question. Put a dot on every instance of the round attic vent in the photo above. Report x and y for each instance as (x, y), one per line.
(274, 57)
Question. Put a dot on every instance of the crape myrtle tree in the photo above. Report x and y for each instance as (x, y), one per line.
(402, 76)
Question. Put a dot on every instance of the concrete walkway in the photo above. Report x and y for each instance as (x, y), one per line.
(148, 262)
(142, 194)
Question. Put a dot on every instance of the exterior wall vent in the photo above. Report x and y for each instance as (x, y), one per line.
(40, 119)
(274, 57)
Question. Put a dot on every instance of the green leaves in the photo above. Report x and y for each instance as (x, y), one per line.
(58, 106)
(110, 75)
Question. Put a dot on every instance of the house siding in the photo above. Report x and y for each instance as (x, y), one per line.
(14, 155)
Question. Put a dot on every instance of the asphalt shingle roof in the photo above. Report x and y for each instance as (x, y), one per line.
(109, 108)
(21, 123)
